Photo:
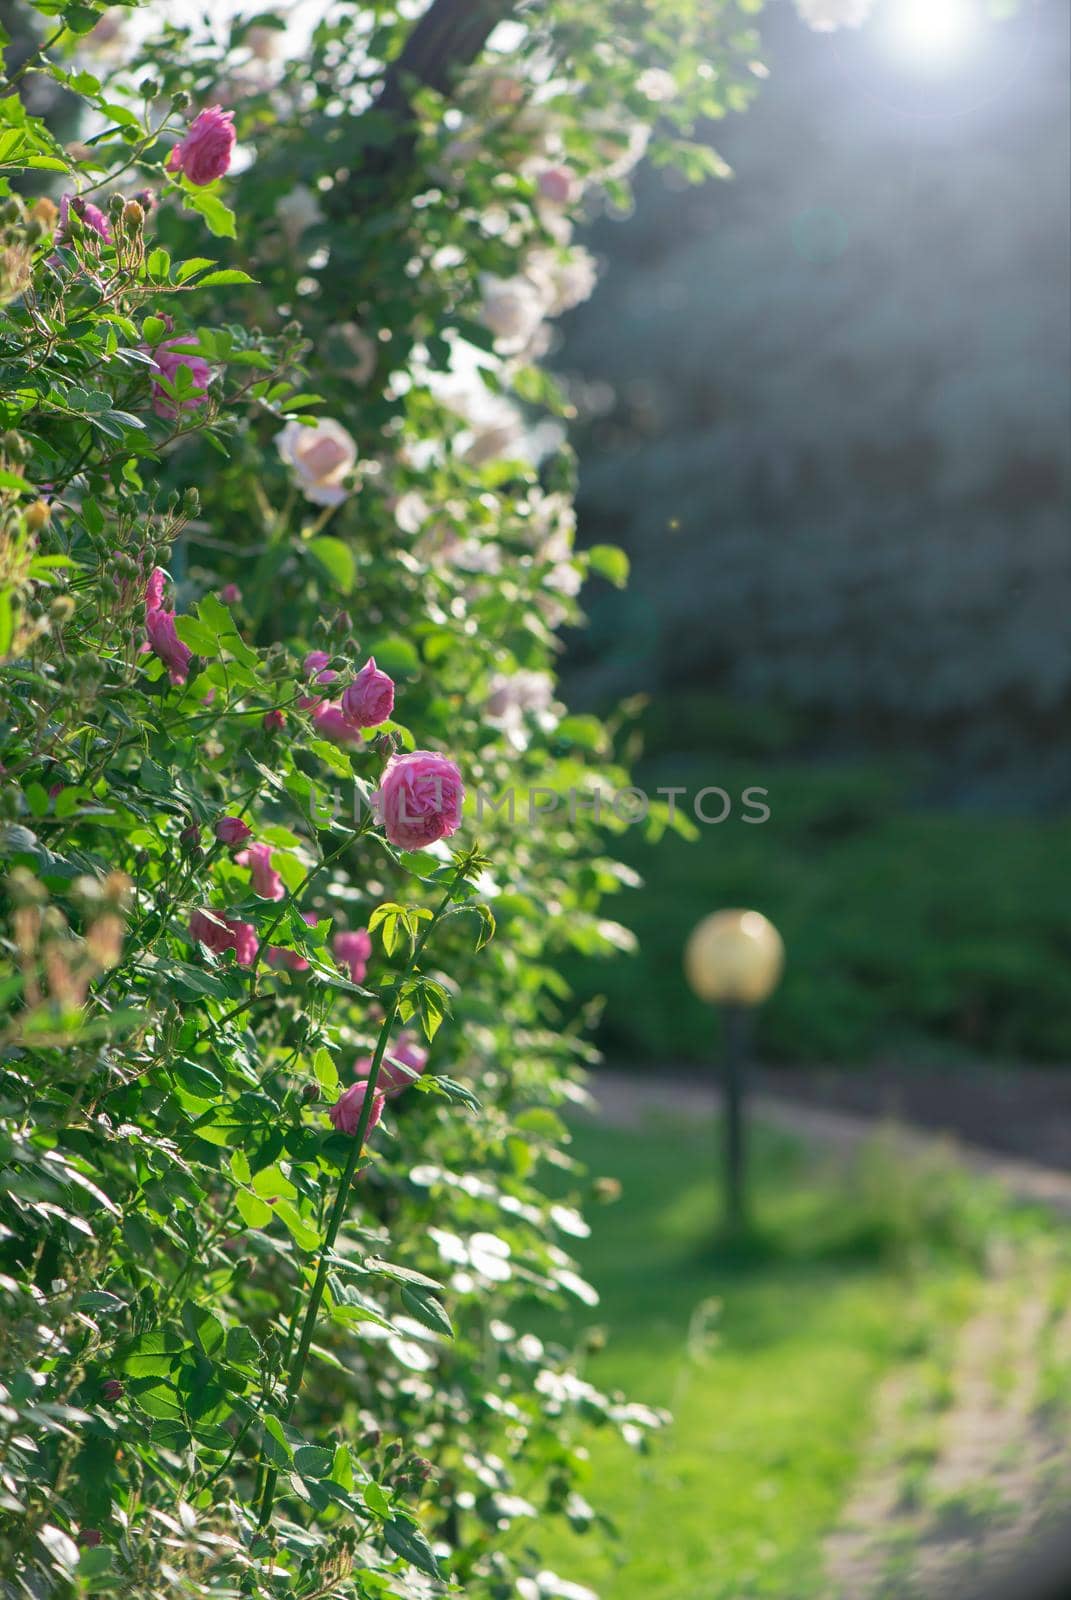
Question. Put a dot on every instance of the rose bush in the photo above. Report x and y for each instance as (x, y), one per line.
(246, 465)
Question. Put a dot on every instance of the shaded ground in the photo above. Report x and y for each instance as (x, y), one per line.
(1020, 1111)
(629, 1098)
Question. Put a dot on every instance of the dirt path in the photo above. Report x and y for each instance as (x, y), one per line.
(954, 1484)
(628, 1099)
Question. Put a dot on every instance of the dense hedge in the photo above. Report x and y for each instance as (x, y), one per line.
(285, 525)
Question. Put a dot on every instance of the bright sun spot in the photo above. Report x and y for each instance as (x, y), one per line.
(932, 32)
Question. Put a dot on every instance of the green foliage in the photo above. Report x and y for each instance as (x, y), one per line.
(909, 929)
(243, 1352)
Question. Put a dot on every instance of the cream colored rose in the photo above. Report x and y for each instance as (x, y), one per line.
(321, 457)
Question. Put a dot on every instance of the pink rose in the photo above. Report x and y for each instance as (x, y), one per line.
(221, 933)
(168, 358)
(332, 724)
(246, 942)
(164, 642)
(266, 881)
(555, 185)
(346, 1111)
(274, 721)
(91, 217)
(353, 950)
(419, 799)
(205, 153)
(398, 1068)
(369, 699)
(315, 665)
(232, 830)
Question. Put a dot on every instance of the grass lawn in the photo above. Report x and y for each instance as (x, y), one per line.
(768, 1359)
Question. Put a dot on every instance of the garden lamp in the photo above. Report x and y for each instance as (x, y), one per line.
(734, 959)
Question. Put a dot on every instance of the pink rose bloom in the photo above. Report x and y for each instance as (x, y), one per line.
(353, 950)
(168, 358)
(419, 799)
(315, 664)
(556, 185)
(266, 881)
(274, 721)
(321, 456)
(91, 217)
(369, 699)
(154, 589)
(398, 1068)
(278, 956)
(346, 1111)
(232, 830)
(220, 934)
(332, 724)
(230, 594)
(246, 942)
(205, 153)
(164, 642)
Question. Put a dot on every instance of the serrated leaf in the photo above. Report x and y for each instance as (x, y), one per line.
(313, 1461)
(427, 1309)
(407, 1541)
(254, 1212)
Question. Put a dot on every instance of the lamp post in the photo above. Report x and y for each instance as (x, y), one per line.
(734, 959)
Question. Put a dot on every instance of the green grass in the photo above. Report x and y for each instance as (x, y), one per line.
(771, 1401)
(911, 929)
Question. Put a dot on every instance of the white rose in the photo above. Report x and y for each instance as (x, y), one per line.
(563, 278)
(321, 457)
(512, 309)
(825, 16)
(297, 211)
(657, 85)
(411, 511)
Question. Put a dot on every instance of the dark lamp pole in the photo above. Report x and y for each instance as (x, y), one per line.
(734, 959)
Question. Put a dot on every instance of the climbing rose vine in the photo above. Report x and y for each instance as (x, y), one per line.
(286, 537)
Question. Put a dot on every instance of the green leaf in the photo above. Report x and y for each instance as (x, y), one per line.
(312, 1461)
(219, 218)
(427, 1310)
(158, 265)
(407, 1541)
(194, 634)
(11, 480)
(337, 560)
(241, 1349)
(304, 1234)
(254, 1212)
(194, 265)
(227, 275)
(93, 1564)
(325, 1072)
(610, 562)
(276, 1445)
(377, 1500)
(202, 1327)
